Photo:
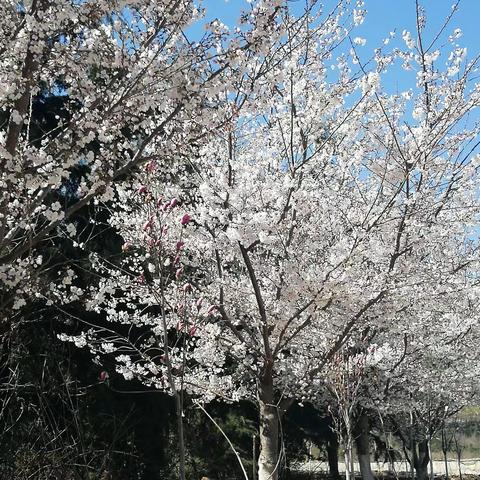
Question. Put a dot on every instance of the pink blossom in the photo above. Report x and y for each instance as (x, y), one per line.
(180, 245)
(142, 190)
(192, 330)
(178, 273)
(177, 260)
(199, 303)
(148, 224)
(185, 219)
(187, 287)
(103, 376)
(173, 202)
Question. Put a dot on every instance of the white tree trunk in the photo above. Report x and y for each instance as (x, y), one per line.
(268, 461)
(347, 463)
(432, 473)
(445, 450)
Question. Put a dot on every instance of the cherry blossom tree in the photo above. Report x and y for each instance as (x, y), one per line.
(134, 90)
(345, 377)
(411, 377)
(320, 206)
(205, 373)
(324, 218)
(434, 378)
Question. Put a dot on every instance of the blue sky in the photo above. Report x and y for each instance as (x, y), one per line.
(383, 17)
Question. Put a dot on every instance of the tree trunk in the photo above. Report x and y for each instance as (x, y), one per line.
(445, 451)
(413, 457)
(363, 446)
(422, 472)
(268, 461)
(458, 451)
(432, 474)
(332, 456)
(421, 460)
(178, 395)
(181, 439)
(349, 466)
(254, 457)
